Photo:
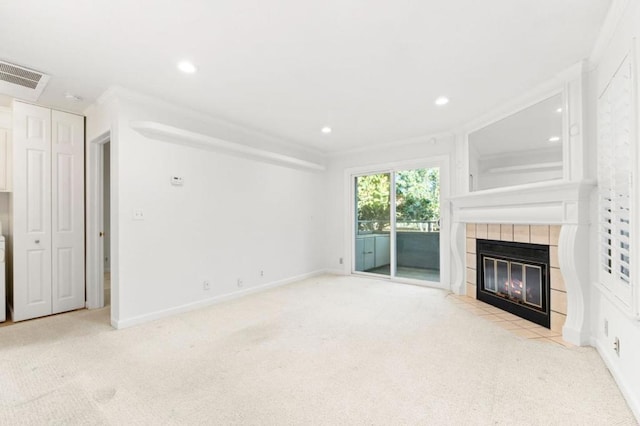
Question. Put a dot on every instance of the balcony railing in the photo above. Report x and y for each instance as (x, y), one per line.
(383, 225)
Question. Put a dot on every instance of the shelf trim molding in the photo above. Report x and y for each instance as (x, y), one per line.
(558, 202)
(166, 133)
(527, 167)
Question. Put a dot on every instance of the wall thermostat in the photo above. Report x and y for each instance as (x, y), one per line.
(177, 180)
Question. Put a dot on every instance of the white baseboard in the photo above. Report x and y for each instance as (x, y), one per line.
(141, 319)
(629, 396)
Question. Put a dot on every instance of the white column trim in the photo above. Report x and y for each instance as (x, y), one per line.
(573, 256)
(458, 251)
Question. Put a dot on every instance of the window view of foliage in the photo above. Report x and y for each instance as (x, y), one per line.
(417, 197)
(417, 201)
(373, 193)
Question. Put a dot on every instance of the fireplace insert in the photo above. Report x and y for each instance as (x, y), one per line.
(515, 277)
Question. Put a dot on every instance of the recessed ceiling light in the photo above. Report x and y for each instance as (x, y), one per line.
(554, 139)
(326, 130)
(442, 100)
(187, 67)
(559, 110)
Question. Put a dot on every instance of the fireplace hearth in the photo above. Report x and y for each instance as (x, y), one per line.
(515, 277)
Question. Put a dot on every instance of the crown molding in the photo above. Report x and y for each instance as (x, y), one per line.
(433, 139)
(616, 12)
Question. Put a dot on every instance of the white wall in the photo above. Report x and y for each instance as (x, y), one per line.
(338, 211)
(620, 324)
(232, 219)
(5, 100)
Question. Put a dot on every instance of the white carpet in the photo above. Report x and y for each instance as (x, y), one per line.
(329, 350)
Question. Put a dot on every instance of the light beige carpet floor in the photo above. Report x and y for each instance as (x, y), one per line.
(329, 350)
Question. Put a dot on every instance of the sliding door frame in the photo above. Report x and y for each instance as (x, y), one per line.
(392, 224)
(441, 162)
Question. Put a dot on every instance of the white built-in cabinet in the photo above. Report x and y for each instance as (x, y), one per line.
(48, 211)
(372, 251)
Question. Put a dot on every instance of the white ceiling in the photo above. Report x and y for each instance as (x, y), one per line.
(371, 69)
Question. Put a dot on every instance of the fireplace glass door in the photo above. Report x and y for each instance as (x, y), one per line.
(515, 277)
(518, 282)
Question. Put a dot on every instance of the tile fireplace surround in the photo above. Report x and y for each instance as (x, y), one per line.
(549, 213)
(535, 234)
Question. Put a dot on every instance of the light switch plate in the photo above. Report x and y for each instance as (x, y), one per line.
(138, 214)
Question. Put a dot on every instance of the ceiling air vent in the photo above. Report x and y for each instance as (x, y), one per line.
(20, 82)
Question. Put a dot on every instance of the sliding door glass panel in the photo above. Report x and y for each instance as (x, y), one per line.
(373, 224)
(417, 210)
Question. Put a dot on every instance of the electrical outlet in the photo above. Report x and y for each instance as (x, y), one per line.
(606, 328)
(616, 346)
(206, 285)
(262, 273)
(240, 283)
(341, 261)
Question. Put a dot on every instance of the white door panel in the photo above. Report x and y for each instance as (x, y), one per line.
(68, 211)
(63, 193)
(36, 271)
(37, 171)
(64, 274)
(32, 211)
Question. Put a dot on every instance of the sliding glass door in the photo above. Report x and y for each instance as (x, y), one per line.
(373, 224)
(397, 224)
(417, 224)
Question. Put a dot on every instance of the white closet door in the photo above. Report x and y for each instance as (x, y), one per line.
(67, 209)
(32, 211)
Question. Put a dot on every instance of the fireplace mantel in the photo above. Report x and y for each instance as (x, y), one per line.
(548, 203)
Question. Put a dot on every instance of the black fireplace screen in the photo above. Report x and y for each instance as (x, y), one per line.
(515, 278)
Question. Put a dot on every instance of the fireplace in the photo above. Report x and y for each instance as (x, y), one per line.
(555, 214)
(515, 277)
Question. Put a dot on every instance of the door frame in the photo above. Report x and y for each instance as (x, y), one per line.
(95, 221)
(443, 163)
